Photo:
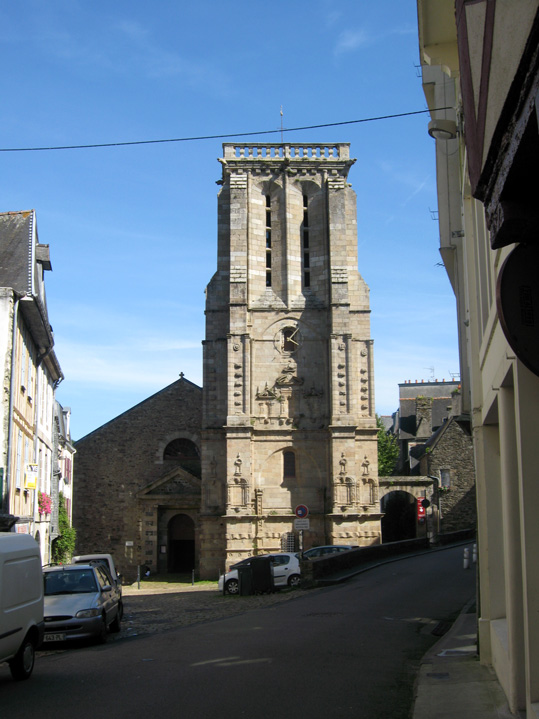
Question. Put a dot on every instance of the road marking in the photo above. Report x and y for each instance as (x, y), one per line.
(214, 661)
(245, 661)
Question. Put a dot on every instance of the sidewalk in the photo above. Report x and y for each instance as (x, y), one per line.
(451, 681)
(451, 684)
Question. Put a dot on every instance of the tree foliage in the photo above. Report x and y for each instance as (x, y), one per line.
(64, 545)
(388, 450)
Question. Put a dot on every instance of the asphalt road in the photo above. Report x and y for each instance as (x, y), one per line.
(348, 650)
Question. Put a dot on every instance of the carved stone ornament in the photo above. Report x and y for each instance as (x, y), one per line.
(266, 393)
(287, 378)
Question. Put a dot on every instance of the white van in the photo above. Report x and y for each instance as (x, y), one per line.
(21, 602)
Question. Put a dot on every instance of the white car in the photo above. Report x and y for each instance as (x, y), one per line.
(284, 568)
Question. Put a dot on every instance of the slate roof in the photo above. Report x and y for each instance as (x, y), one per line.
(22, 262)
(439, 392)
(16, 233)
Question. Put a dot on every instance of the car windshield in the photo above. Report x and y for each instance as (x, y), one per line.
(69, 582)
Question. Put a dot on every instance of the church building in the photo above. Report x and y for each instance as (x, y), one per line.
(195, 479)
(288, 400)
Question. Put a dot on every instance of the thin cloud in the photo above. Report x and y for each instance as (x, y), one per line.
(352, 40)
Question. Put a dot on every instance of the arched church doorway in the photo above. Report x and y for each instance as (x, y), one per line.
(399, 520)
(181, 544)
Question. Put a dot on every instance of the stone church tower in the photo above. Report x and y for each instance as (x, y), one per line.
(288, 415)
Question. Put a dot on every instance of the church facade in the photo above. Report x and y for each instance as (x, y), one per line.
(194, 479)
(288, 402)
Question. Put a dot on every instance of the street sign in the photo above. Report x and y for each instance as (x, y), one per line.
(301, 524)
(302, 511)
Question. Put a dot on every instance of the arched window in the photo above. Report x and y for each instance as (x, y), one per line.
(289, 464)
(184, 453)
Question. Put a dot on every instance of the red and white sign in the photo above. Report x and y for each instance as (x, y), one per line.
(421, 511)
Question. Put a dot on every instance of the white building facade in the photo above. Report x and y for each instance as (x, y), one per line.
(480, 64)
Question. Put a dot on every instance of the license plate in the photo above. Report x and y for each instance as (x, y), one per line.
(54, 638)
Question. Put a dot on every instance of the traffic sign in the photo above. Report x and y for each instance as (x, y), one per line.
(301, 524)
(302, 511)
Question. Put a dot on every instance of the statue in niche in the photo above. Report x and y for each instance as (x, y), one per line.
(365, 464)
(342, 462)
(237, 465)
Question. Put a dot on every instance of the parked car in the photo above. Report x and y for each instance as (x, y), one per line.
(284, 567)
(81, 602)
(21, 602)
(108, 562)
(327, 549)
(105, 559)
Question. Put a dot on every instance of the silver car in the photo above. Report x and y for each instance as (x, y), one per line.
(81, 602)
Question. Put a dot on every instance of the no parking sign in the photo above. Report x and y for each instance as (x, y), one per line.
(302, 511)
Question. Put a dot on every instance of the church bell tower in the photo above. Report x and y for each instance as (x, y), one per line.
(289, 415)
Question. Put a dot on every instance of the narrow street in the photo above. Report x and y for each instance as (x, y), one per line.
(351, 649)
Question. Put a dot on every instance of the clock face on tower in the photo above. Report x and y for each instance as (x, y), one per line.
(288, 340)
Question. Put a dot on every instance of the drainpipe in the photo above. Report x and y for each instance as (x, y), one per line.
(438, 499)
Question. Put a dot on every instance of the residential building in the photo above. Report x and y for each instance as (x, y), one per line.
(480, 68)
(64, 453)
(31, 374)
(423, 408)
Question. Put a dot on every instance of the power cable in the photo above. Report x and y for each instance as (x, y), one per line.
(220, 137)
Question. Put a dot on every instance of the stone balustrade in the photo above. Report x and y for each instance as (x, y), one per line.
(291, 151)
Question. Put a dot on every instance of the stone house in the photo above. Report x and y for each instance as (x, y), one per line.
(448, 456)
(423, 408)
(137, 486)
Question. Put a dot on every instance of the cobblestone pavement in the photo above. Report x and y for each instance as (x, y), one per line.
(160, 607)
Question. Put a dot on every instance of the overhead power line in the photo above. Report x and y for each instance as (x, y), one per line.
(219, 137)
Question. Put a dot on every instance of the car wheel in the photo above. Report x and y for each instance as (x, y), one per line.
(115, 625)
(232, 586)
(294, 580)
(101, 637)
(22, 664)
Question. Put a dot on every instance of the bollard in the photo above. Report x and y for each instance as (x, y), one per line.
(466, 560)
(474, 553)
(193, 578)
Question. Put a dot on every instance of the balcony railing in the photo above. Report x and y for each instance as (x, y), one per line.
(291, 151)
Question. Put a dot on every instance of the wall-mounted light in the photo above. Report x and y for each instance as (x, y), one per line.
(443, 129)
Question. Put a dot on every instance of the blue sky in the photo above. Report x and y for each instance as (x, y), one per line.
(132, 229)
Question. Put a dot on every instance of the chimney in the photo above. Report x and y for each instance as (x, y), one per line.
(423, 417)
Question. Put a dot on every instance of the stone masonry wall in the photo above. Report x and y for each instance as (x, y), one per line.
(121, 458)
